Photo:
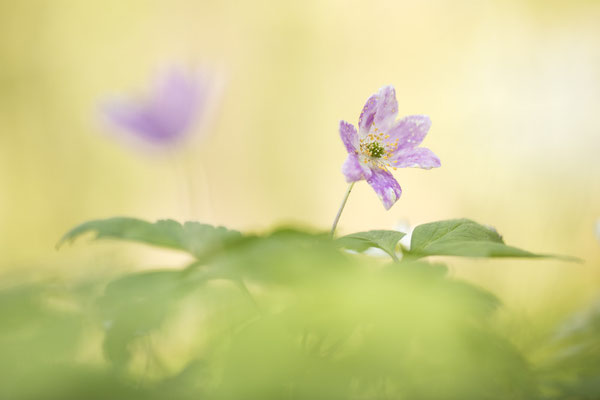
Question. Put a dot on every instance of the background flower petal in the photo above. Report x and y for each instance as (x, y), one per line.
(176, 101)
(385, 185)
(409, 131)
(136, 119)
(349, 136)
(418, 157)
(165, 116)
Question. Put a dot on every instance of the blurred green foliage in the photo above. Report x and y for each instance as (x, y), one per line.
(289, 314)
(572, 366)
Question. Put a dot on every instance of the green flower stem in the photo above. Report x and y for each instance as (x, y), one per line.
(339, 213)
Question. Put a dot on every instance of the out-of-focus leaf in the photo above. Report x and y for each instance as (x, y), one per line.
(390, 332)
(287, 314)
(135, 305)
(201, 240)
(573, 369)
(433, 282)
(39, 332)
(463, 237)
(381, 239)
(287, 256)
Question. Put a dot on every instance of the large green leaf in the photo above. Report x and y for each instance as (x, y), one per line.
(381, 239)
(135, 305)
(463, 237)
(198, 239)
(574, 353)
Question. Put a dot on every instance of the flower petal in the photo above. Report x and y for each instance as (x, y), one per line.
(166, 115)
(367, 115)
(417, 157)
(409, 131)
(386, 187)
(136, 119)
(349, 136)
(387, 108)
(379, 111)
(176, 101)
(353, 170)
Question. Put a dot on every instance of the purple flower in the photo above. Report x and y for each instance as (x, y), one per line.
(167, 114)
(383, 142)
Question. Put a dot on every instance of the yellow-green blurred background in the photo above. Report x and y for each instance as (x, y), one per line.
(512, 87)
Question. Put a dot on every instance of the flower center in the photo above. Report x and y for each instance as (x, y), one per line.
(375, 149)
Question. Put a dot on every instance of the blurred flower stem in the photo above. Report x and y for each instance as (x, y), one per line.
(194, 186)
(171, 112)
(339, 213)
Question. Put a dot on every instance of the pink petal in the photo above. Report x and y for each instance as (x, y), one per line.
(417, 157)
(349, 136)
(387, 188)
(379, 111)
(177, 99)
(353, 170)
(409, 131)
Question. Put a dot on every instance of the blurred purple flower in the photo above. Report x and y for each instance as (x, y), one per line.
(167, 114)
(383, 142)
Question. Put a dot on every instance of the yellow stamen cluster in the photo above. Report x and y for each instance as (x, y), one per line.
(375, 149)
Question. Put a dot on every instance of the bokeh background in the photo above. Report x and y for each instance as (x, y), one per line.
(512, 87)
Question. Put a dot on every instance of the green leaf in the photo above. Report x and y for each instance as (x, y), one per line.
(463, 237)
(286, 256)
(135, 305)
(381, 239)
(201, 240)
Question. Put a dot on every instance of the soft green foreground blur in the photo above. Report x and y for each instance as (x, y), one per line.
(284, 316)
(512, 87)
